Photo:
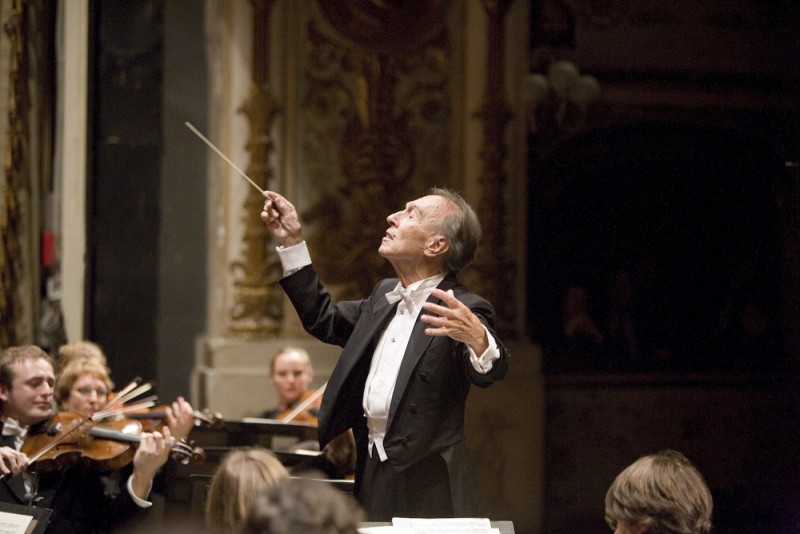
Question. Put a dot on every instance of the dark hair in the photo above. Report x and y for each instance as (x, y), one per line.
(462, 230)
(303, 505)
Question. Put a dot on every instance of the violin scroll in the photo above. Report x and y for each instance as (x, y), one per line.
(186, 452)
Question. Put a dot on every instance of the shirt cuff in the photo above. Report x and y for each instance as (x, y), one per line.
(141, 503)
(484, 363)
(294, 258)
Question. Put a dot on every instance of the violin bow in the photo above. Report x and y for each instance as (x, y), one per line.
(305, 404)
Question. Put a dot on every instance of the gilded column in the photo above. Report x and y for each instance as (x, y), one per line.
(256, 311)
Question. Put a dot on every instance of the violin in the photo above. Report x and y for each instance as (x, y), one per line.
(154, 417)
(70, 438)
(304, 409)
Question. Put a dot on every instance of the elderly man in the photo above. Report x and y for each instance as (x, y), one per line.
(410, 353)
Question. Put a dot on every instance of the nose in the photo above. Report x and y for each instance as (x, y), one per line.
(392, 219)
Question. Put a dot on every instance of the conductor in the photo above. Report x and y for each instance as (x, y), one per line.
(411, 351)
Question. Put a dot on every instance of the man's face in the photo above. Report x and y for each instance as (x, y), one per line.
(29, 398)
(291, 376)
(412, 230)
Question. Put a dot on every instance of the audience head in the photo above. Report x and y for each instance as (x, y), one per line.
(26, 384)
(83, 386)
(661, 493)
(241, 476)
(303, 505)
(291, 373)
(78, 351)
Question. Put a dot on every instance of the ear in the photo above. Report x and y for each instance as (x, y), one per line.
(3, 393)
(436, 246)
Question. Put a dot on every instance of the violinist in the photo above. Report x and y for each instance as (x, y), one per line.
(291, 374)
(76, 495)
(84, 386)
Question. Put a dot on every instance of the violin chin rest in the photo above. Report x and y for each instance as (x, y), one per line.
(52, 430)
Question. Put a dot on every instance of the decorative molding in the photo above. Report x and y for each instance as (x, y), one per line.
(386, 114)
(11, 220)
(257, 309)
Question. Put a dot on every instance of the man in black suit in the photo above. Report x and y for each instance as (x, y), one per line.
(410, 353)
(79, 501)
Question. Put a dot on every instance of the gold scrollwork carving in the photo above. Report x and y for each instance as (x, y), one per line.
(257, 310)
(386, 112)
(15, 178)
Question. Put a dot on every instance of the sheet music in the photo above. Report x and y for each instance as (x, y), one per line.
(457, 525)
(14, 523)
(385, 530)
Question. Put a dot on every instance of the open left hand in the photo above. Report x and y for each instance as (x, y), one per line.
(454, 320)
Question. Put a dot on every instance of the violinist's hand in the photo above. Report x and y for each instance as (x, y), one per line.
(180, 418)
(152, 453)
(12, 462)
(456, 321)
(282, 219)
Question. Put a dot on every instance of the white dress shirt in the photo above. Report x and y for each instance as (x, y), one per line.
(392, 345)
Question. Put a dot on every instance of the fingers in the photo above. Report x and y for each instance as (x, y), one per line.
(12, 461)
(448, 297)
(180, 418)
(152, 453)
(452, 303)
(454, 319)
(274, 206)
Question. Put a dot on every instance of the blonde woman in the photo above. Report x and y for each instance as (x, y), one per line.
(241, 476)
(83, 386)
(660, 493)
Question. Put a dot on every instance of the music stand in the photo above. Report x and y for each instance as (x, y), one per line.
(41, 516)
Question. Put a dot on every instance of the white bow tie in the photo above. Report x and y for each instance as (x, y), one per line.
(401, 293)
(11, 427)
(409, 296)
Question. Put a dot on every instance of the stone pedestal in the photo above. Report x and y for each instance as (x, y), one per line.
(231, 376)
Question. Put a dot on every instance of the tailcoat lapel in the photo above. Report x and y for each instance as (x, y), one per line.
(417, 344)
(363, 335)
(333, 417)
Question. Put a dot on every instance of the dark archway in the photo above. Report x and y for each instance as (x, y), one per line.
(679, 219)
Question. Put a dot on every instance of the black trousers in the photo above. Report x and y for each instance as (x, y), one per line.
(422, 490)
